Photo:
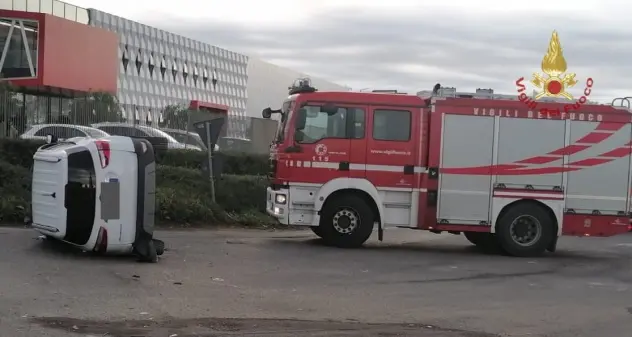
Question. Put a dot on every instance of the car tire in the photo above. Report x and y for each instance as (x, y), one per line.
(346, 221)
(147, 252)
(160, 246)
(525, 230)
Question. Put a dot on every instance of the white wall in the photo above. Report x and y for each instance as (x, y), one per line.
(268, 85)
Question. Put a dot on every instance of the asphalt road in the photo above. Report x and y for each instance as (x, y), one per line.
(254, 283)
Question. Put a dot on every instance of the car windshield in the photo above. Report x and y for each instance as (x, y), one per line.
(158, 133)
(286, 110)
(189, 138)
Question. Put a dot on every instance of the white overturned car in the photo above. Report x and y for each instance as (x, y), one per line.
(97, 194)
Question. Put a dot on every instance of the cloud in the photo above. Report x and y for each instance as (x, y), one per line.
(406, 46)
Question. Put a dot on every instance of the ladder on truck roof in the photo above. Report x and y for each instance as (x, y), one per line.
(622, 102)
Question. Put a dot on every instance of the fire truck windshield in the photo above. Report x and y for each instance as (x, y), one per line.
(286, 112)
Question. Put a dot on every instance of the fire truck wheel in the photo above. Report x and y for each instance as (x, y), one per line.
(476, 238)
(525, 230)
(485, 241)
(346, 221)
(317, 230)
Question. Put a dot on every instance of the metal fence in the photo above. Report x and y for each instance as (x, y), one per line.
(34, 117)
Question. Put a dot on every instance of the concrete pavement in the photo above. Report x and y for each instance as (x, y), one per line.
(237, 282)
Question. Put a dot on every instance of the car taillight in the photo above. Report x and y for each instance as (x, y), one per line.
(103, 147)
(101, 245)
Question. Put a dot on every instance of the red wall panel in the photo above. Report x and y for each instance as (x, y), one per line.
(72, 57)
(78, 57)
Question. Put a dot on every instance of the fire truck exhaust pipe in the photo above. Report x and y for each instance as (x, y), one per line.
(380, 231)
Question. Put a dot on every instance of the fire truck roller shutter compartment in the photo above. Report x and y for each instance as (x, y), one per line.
(597, 183)
(467, 141)
(531, 141)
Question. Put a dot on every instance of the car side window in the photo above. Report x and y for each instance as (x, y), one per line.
(72, 132)
(391, 125)
(138, 133)
(43, 132)
(109, 129)
(57, 131)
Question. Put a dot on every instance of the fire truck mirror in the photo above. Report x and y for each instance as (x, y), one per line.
(329, 109)
(266, 113)
(301, 119)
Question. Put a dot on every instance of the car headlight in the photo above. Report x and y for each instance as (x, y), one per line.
(280, 199)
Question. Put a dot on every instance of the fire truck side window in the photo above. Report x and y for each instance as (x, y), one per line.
(391, 125)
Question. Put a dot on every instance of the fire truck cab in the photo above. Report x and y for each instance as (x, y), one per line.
(504, 175)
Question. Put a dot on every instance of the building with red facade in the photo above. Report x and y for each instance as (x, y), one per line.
(55, 52)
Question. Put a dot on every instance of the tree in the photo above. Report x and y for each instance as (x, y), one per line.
(175, 117)
(12, 117)
(95, 108)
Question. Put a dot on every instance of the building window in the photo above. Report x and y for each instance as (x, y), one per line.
(185, 72)
(163, 68)
(139, 61)
(20, 40)
(195, 75)
(125, 58)
(151, 65)
(174, 69)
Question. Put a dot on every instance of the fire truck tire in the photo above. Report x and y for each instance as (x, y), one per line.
(485, 241)
(317, 230)
(346, 221)
(525, 230)
(476, 238)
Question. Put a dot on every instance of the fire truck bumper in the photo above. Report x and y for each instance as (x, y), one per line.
(277, 204)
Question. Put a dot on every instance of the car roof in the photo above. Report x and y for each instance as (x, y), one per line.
(184, 132)
(136, 126)
(81, 127)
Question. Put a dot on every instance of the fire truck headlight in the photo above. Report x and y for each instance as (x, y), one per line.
(280, 199)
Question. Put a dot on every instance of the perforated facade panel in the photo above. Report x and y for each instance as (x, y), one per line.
(158, 68)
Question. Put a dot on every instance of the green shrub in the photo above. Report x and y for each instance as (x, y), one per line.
(18, 152)
(185, 195)
(15, 192)
(233, 162)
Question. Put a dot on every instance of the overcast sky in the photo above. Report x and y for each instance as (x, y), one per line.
(408, 44)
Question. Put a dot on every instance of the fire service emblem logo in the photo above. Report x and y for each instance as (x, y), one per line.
(321, 149)
(554, 81)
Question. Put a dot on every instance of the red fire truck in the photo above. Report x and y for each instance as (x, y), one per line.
(507, 177)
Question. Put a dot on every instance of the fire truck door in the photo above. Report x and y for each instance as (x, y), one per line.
(391, 148)
(324, 146)
(391, 157)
